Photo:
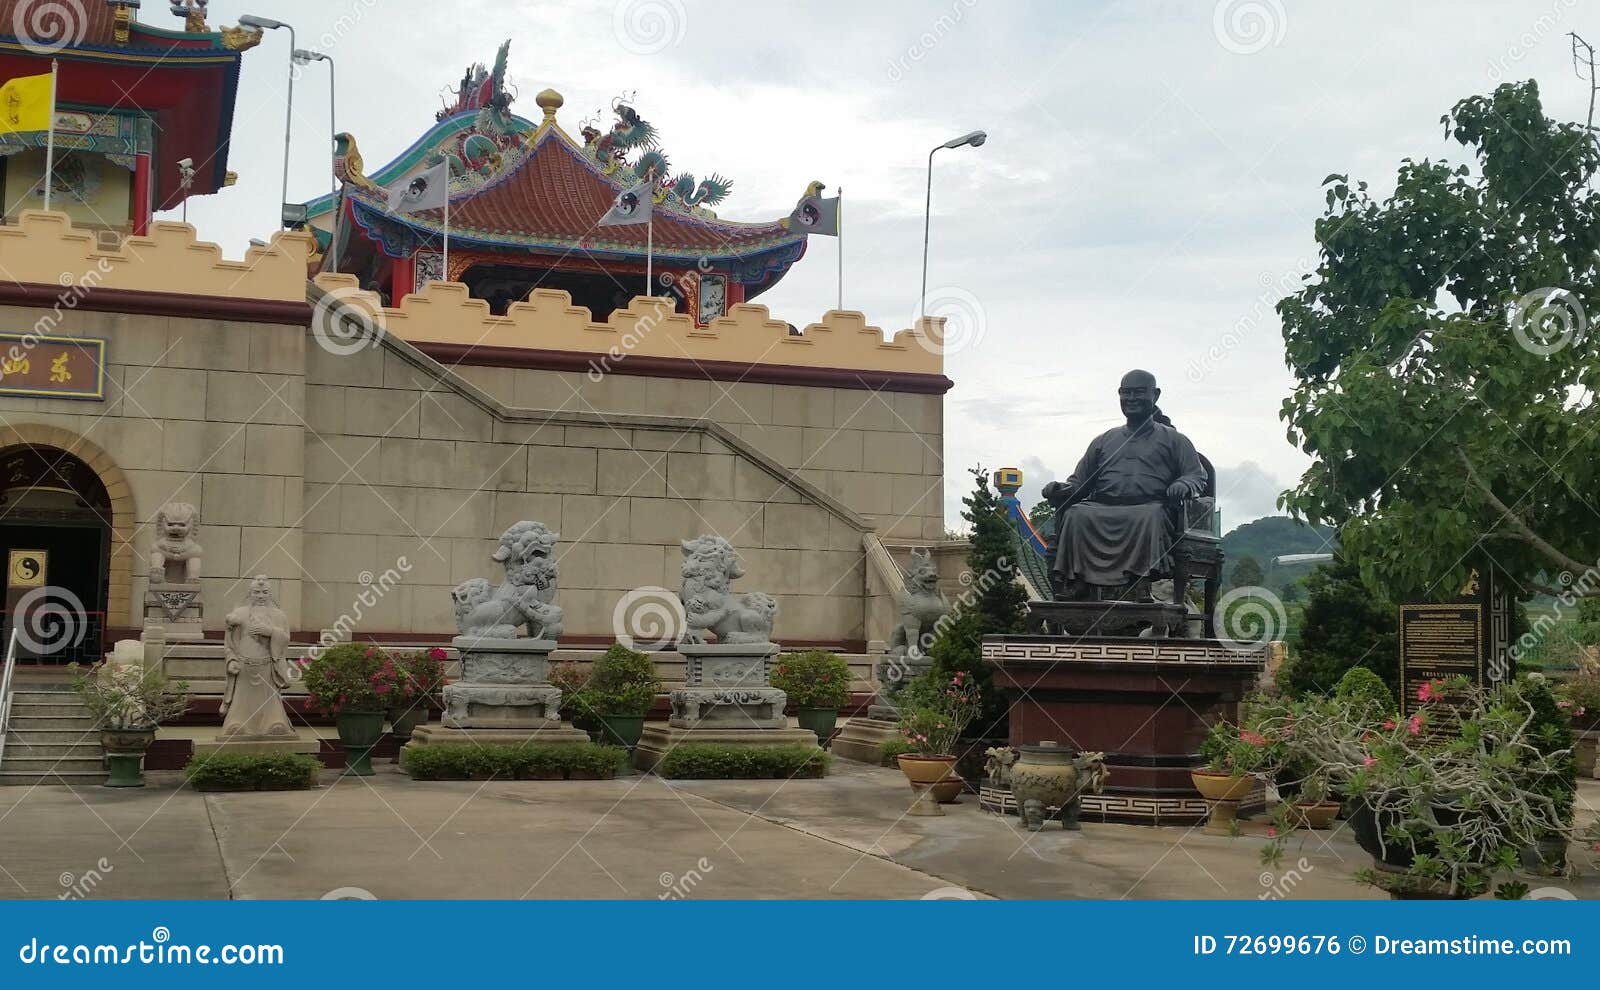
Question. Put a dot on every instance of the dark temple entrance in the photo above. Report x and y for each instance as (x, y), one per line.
(55, 530)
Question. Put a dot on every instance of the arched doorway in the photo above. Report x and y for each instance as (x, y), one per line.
(55, 541)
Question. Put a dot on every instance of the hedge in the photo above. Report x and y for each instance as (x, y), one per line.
(890, 751)
(706, 761)
(581, 761)
(226, 771)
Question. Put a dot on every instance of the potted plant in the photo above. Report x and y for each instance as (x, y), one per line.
(1447, 799)
(1230, 758)
(354, 683)
(818, 685)
(612, 700)
(931, 727)
(128, 701)
(419, 690)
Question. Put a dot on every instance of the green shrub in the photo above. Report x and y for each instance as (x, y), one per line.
(253, 771)
(706, 761)
(891, 750)
(1551, 733)
(621, 682)
(1361, 683)
(534, 761)
(813, 679)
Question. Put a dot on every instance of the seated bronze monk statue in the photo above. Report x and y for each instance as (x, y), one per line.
(1121, 512)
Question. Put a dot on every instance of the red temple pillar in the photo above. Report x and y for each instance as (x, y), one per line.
(142, 205)
(735, 293)
(404, 281)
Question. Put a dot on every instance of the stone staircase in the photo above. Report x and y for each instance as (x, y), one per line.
(50, 737)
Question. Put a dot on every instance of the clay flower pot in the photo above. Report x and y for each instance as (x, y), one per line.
(1316, 816)
(923, 772)
(1223, 793)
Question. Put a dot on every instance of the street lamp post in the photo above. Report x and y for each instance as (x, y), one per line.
(305, 56)
(976, 139)
(268, 24)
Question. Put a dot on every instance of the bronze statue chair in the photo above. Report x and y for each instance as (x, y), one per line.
(1197, 550)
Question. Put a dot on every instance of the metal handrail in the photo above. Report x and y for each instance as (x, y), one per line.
(5, 692)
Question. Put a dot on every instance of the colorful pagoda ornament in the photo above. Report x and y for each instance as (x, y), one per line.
(525, 199)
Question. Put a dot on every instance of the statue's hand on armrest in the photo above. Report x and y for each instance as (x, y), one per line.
(1056, 492)
(1178, 491)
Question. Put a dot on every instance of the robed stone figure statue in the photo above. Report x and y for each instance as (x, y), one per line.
(1116, 515)
(256, 646)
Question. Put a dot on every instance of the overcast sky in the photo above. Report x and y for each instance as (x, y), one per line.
(1146, 195)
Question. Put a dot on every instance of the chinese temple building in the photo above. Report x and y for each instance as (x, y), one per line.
(524, 200)
(132, 102)
(360, 432)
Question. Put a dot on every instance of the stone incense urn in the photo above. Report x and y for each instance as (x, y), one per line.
(1049, 781)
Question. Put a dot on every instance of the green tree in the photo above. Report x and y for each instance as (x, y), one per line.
(1247, 573)
(993, 603)
(1446, 374)
(1344, 625)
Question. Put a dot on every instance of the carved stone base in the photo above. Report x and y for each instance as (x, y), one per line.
(726, 686)
(176, 608)
(1069, 618)
(659, 739)
(862, 739)
(504, 685)
(434, 734)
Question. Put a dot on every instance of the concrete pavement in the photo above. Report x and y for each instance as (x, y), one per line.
(635, 837)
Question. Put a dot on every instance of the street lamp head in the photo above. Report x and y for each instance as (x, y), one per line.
(976, 139)
(265, 23)
(305, 56)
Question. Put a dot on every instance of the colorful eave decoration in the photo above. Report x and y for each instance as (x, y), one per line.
(522, 188)
(186, 81)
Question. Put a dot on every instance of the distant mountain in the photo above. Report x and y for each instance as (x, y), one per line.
(1275, 536)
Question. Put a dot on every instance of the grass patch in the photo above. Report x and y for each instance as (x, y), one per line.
(584, 761)
(704, 761)
(253, 772)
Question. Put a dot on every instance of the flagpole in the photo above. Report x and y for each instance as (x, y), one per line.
(839, 219)
(50, 139)
(650, 255)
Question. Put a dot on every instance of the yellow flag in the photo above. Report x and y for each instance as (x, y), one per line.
(25, 104)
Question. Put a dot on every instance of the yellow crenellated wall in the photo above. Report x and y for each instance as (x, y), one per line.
(444, 312)
(44, 247)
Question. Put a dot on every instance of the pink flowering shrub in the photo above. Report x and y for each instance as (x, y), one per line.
(355, 677)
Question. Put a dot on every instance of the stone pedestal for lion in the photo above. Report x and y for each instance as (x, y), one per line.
(504, 696)
(727, 699)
